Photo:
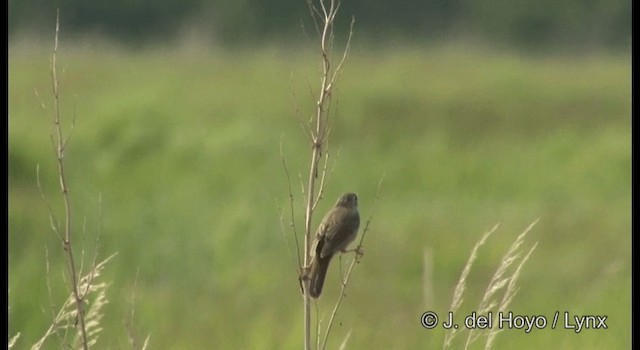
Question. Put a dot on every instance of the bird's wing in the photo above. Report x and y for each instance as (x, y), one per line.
(325, 228)
(337, 233)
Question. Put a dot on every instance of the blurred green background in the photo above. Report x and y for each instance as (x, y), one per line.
(178, 129)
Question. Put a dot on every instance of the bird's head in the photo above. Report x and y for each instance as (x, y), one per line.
(348, 200)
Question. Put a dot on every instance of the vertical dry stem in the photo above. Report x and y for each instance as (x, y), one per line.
(319, 130)
(60, 145)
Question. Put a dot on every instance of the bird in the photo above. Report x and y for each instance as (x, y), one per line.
(337, 230)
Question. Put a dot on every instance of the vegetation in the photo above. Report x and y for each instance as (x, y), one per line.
(525, 24)
(182, 144)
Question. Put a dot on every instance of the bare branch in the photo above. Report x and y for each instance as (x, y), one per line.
(60, 144)
(315, 15)
(306, 130)
(298, 264)
(318, 130)
(73, 125)
(345, 52)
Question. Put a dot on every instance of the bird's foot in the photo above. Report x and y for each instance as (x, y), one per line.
(358, 250)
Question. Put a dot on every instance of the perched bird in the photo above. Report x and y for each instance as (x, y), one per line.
(336, 231)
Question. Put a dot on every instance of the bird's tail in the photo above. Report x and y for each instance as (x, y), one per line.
(318, 271)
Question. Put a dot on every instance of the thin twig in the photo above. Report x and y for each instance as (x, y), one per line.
(322, 178)
(286, 239)
(52, 218)
(307, 131)
(346, 51)
(129, 327)
(39, 99)
(293, 221)
(50, 293)
(314, 15)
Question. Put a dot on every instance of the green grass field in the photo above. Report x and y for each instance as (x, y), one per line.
(183, 146)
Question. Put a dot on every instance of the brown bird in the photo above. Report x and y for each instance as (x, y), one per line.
(336, 231)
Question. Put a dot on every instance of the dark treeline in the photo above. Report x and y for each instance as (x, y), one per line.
(526, 23)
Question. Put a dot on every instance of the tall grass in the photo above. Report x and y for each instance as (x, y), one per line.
(185, 152)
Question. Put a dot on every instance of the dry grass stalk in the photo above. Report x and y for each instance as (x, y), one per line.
(94, 298)
(509, 294)
(460, 287)
(317, 130)
(60, 144)
(13, 340)
(82, 311)
(501, 280)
